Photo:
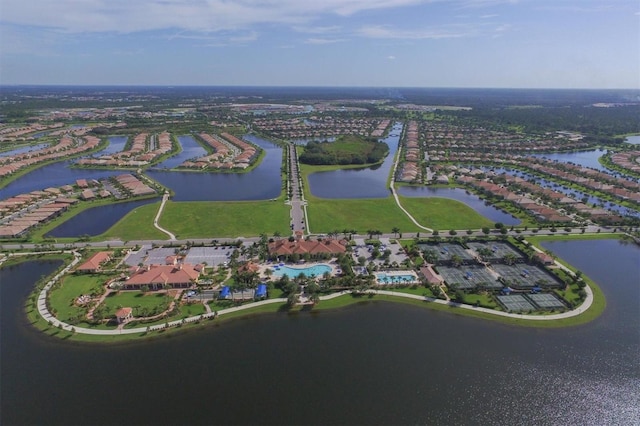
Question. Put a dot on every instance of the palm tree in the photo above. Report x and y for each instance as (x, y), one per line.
(395, 231)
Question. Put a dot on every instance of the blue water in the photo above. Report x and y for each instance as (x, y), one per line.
(368, 182)
(392, 279)
(96, 220)
(581, 158)
(490, 212)
(309, 271)
(262, 183)
(116, 144)
(634, 140)
(191, 149)
(570, 192)
(23, 149)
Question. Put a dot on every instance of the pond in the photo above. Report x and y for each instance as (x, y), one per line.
(366, 182)
(262, 183)
(96, 220)
(191, 149)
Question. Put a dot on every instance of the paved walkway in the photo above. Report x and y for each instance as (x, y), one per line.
(297, 202)
(165, 197)
(395, 194)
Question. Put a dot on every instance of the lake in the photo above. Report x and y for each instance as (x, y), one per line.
(262, 183)
(373, 363)
(490, 212)
(635, 140)
(96, 220)
(366, 182)
(190, 149)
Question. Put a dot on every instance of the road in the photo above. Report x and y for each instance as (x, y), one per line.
(297, 201)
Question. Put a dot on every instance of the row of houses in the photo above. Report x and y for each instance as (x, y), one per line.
(144, 149)
(318, 127)
(133, 185)
(230, 153)
(411, 170)
(627, 160)
(14, 133)
(68, 146)
(19, 225)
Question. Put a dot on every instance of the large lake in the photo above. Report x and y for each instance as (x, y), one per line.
(374, 363)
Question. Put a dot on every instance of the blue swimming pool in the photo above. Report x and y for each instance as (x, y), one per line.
(309, 271)
(395, 278)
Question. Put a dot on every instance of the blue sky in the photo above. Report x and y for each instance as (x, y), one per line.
(417, 43)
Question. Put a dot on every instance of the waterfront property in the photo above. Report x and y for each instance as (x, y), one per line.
(157, 277)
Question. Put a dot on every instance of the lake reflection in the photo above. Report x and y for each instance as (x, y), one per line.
(374, 363)
(262, 183)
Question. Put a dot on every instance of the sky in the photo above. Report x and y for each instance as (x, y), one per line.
(389, 43)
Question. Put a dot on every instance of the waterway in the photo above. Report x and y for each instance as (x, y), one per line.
(60, 173)
(582, 158)
(487, 210)
(23, 150)
(373, 363)
(262, 183)
(570, 192)
(191, 149)
(367, 182)
(96, 220)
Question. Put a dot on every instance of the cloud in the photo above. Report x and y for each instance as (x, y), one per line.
(322, 41)
(125, 16)
(386, 32)
(391, 57)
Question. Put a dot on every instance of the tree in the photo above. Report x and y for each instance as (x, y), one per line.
(486, 230)
(395, 231)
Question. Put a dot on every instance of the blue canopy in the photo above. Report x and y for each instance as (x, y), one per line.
(226, 291)
(261, 290)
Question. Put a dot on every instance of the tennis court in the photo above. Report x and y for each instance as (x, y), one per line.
(445, 251)
(526, 276)
(516, 303)
(499, 249)
(468, 277)
(546, 301)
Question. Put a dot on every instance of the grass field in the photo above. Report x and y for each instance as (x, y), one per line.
(443, 213)
(73, 286)
(136, 225)
(132, 299)
(382, 214)
(202, 219)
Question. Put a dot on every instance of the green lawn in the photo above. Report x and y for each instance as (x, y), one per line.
(133, 299)
(203, 219)
(363, 214)
(443, 213)
(136, 225)
(73, 286)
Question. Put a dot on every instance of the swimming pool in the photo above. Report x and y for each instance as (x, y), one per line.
(309, 271)
(400, 277)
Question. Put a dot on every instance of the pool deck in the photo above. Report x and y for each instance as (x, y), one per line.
(335, 268)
